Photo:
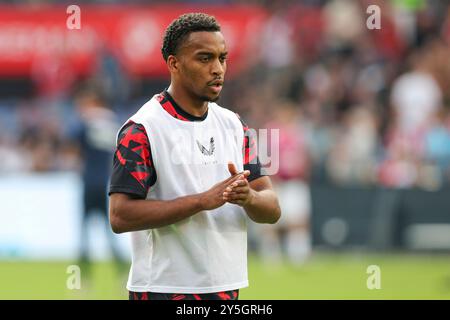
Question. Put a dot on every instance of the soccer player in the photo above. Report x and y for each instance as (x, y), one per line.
(186, 176)
(97, 125)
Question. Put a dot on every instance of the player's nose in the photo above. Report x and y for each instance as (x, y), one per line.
(217, 68)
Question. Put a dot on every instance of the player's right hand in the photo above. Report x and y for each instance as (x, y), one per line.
(213, 198)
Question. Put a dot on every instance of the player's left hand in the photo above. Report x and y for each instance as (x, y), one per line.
(238, 192)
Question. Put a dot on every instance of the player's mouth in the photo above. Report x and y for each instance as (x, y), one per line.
(216, 86)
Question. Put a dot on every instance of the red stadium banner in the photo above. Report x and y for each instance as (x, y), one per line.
(34, 37)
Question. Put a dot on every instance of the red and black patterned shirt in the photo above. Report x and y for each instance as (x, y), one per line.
(133, 170)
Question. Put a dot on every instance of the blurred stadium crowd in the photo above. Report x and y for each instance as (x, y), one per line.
(353, 105)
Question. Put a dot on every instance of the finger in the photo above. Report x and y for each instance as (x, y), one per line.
(238, 202)
(235, 199)
(246, 173)
(235, 196)
(244, 189)
(232, 168)
(226, 196)
(238, 186)
(227, 190)
(237, 189)
(231, 179)
(239, 183)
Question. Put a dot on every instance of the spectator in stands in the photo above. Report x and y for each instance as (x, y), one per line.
(293, 228)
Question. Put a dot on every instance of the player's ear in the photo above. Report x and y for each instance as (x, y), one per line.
(172, 63)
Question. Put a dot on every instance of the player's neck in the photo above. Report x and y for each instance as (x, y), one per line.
(192, 106)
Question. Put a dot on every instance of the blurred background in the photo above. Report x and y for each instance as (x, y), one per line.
(364, 140)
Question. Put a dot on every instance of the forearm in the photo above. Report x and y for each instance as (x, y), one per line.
(128, 214)
(263, 206)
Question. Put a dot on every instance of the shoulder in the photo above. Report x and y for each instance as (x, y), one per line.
(227, 114)
(149, 108)
(143, 115)
(132, 132)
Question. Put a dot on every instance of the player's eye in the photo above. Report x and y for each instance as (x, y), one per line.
(222, 59)
(204, 59)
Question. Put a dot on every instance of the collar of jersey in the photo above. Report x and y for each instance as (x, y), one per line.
(176, 111)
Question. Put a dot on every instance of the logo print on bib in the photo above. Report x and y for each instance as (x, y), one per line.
(205, 151)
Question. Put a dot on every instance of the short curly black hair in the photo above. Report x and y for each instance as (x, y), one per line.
(181, 27)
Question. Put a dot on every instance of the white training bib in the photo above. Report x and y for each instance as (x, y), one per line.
(206, 252)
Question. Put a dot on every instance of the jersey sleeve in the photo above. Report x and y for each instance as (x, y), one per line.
(250, 153)
(133, 171)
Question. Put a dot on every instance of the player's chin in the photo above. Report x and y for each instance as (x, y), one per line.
(211, 97)
(215, 98)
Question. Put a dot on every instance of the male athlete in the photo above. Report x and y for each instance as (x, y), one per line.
(186, 176)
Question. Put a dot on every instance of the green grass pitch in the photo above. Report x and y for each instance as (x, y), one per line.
(324, 276)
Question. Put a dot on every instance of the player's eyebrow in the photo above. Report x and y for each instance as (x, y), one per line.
(210, 53)
(204, 53)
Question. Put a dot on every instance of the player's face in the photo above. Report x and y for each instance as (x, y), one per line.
(203, 65)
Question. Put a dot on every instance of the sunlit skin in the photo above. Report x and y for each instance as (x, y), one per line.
(198, 70)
